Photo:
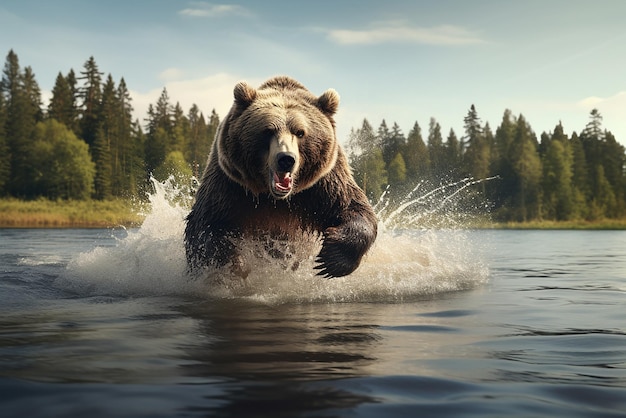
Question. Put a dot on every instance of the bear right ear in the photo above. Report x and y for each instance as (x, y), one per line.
(244, 94)
(328, 102)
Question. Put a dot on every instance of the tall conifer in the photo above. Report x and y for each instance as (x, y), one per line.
(90, 94)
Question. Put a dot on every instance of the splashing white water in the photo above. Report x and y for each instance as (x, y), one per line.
(402, 265)
(440, 203)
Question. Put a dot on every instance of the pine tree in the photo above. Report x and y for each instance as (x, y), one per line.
(436, 148)
(72, 83)
(5, 156)
(163, 112)
(526, 165)
(200, 138)
(415, 154)
(106, 148)
(472, 126)
(453, 155)
(101, 152)
(33, 95)
(580, 176)
(614, 164)
(22, 99)
(558, 193)
(180, 130)
(477, 155)
(137, 165)
(382, 137)
(160, 132)
(502, 191)
(605, 162)
(62, 104)
(14, 127)
(391, 141)
(197, 129)
(489, 137)
(489, 143)
(603, 204)
(594, 127)
(90, 95)
(128, 163)
(591, 139)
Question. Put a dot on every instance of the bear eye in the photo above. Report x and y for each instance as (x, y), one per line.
(300, 133)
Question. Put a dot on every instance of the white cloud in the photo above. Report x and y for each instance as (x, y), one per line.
(612, 102)
(212, 92)
(171, 74)
(401, 32)
(204, 9)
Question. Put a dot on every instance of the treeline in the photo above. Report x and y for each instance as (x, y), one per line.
(554, 177)
(84, 143)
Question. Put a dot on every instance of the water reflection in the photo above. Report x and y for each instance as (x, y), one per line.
(281, 399)
(278, 360)
(293, 358)
(252, 341)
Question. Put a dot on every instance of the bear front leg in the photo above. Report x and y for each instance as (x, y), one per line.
(214, 248)
(345, 244)
(207, 248)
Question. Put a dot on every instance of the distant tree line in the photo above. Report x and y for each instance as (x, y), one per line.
(556, 177)
(85, 143)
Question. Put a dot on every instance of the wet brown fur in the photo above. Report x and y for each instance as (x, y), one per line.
(233, 201)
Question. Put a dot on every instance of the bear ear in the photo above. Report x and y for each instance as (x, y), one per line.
(328, 102)
(244, 94)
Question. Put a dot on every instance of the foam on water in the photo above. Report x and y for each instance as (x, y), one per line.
(403, 264)
(40, 260)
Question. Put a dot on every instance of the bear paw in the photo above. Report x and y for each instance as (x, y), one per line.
(339, 256)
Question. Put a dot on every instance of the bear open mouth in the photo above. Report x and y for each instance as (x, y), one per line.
(281, 183)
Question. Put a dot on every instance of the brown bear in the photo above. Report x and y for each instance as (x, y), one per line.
(276, 169)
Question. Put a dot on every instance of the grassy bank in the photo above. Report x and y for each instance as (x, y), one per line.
(602, 224)
(44, 213)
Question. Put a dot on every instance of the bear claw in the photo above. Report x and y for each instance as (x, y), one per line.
(333, 266)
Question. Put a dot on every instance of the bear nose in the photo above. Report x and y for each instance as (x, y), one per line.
(285, 161)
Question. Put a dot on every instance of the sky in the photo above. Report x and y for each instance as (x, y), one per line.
(402, 61)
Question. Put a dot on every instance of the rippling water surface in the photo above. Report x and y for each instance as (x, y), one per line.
(105, 323)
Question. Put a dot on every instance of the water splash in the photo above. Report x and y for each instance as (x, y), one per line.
(405, 263)
(438, 206)
(149, 260)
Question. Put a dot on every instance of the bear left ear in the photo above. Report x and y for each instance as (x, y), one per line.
(244, 94)
(328, 102)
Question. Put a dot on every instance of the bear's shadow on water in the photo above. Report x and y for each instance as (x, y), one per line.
(276, 358)
(296, 359)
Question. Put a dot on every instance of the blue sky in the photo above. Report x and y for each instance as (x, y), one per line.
(404, 61)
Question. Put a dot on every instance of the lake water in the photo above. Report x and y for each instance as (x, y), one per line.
(104, 323)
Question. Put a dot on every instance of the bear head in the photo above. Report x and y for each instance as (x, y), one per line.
(278, 139)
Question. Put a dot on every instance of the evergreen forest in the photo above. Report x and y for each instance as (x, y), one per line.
(84, 144)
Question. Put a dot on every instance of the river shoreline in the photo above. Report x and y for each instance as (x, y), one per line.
(43, 213)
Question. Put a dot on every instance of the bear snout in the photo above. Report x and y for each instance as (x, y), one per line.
(285, 161)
